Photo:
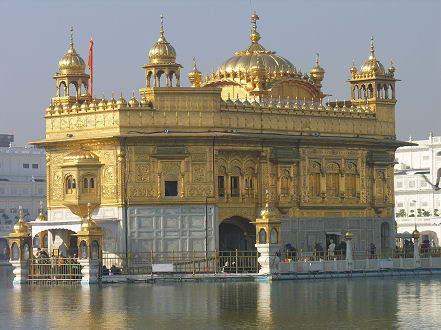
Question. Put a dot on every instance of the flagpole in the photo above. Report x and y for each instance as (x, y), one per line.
(90, 62)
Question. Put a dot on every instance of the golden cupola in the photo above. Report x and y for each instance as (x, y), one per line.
(372, 66)
(195, 76)
(162, 51)
(72, 61)
(261, 73)
(162, 63)
(21, 228)
(317, 73)
(244, 60)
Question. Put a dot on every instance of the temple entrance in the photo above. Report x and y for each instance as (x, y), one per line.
(237, 233)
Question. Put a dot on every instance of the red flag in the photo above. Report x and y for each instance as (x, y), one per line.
(90, 63)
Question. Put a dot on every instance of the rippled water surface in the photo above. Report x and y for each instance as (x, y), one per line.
(382, 303)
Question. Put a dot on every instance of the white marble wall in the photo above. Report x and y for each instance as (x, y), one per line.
(179, 228)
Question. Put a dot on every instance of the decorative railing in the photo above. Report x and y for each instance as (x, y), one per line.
(54, 270)
(189, 262)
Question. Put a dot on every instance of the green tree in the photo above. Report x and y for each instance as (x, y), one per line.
(401, 213)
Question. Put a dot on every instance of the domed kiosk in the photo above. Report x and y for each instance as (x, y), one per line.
(257, 72)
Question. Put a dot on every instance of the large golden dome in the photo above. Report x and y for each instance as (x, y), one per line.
(71, 62)
(162, 51)
(243, 61)
(372, 66)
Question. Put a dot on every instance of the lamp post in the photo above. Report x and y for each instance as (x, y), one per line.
(268, 240)
(90, 249)
(20, 244)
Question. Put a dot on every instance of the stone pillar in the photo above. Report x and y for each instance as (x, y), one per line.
(89, 271)
(90, 250)
(20, 245)
(268, 240)
(416, 249)
(349, 260)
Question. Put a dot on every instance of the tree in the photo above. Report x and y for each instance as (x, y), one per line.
(426, 213)
(435, 212)
(401, 213)
(412, 213)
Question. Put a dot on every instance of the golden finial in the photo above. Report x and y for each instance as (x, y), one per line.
(348, 234)
(416, 233)
(21, 213)
(71, 37)
(162, 26)
(316, 58)
(372, 48)
(391, 68)
(194, 63)
(255, 36)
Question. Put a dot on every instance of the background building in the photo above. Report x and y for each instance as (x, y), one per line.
(416, 201)
(22, 182)
(189, 168)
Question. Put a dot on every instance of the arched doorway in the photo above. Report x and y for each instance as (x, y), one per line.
(237, 233)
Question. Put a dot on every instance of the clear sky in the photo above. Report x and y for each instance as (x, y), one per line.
(35, 36)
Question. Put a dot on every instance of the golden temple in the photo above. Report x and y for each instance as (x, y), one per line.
(187, 168)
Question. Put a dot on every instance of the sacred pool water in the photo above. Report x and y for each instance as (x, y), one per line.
(408, 302)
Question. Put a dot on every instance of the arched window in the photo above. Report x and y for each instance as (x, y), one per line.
(274, 237)
(15, 252)
(314, 184)
(83, 250)
(88, 184)
(71, 184)
(262, 236)
(45, 241)
(284, 186)
(36, 242)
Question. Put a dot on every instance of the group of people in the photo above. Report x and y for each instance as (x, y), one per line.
(56, 267)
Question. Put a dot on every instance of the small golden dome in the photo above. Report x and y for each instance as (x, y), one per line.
(195, 76)
(247, 59)
(416, 233)
(372, 66)
(317, 73)
(133, 101)
(41, 216)
(353, 69)
(121, 101)
(21, 227)
(162, 51)
(71, 62)
(103, 102)
(348, 235)
(391, 68)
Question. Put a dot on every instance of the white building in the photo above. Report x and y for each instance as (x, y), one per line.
(22, 182)
(416, 201)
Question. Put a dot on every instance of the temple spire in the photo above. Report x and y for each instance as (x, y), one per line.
(372, 49)
(71, 37)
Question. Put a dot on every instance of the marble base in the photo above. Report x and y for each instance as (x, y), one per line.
(268, 260)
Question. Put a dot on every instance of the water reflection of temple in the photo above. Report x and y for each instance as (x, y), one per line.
(183, 168)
